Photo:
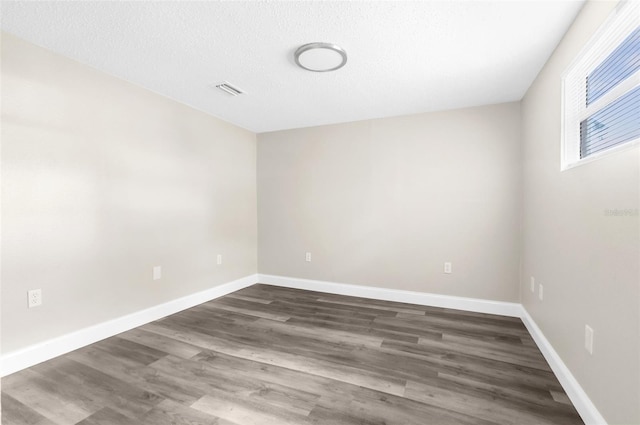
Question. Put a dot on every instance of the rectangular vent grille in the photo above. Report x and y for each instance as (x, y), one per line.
(228, 88)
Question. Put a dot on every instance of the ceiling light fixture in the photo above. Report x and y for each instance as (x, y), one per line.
(320, 57)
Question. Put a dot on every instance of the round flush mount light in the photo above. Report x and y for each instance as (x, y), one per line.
(320, 57)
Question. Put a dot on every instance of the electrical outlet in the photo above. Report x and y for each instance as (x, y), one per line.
(588, 338)
(157, 272)
(447, 268)
(308, 257)
(219, 259)
(533, 284)
(34, 297)
(540, 292)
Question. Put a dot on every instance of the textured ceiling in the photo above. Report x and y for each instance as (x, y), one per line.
(404, 57)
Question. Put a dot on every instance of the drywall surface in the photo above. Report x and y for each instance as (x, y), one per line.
(386, 202)
(586, 258)
(102, 181)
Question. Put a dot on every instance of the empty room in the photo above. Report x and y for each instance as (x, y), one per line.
(320, 212)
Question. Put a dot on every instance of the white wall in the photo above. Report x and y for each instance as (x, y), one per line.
(101, 181)
(386, 202)
(587, 261)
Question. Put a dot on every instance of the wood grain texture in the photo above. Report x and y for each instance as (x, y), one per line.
(269, 355)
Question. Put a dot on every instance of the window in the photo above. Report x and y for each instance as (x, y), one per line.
(601, 90)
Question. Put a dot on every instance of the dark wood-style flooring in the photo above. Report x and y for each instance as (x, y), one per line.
(269, 355)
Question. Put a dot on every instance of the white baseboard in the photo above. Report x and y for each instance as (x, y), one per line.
(581, 401)
(37, 353)
(411, 297)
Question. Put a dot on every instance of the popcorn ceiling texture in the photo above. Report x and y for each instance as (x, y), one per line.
(404, 57)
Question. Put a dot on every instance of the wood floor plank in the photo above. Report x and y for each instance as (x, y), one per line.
(401, 410)
(450, 324)
(258, 313)
(271, 355)
(105, 416)
(161, 343)
(372, 307)
(252, 299)
(16, 413)
(493, 390)
(58, 403)
(243, 412)
(308, 364)
(475, 406)
(143, 377)
(237, 385)
(323, 391)
(124, 348)
(355, 329)
(172, 413)
(99, 387)
(526, 380)
(328, 335)
(490, 353)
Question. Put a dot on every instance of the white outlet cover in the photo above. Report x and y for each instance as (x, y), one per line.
(308, 256)
(533, 284)
(447, 267)
(34, 298)
(157, 272)
(540, 292)
(219, 259)
(588, 338)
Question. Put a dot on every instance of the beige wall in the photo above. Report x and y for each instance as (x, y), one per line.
(101, 181)
(386, 202)
(587, 261)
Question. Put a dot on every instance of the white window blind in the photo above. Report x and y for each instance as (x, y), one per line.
(601, 90)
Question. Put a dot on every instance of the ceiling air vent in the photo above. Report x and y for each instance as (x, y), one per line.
(228, 88)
